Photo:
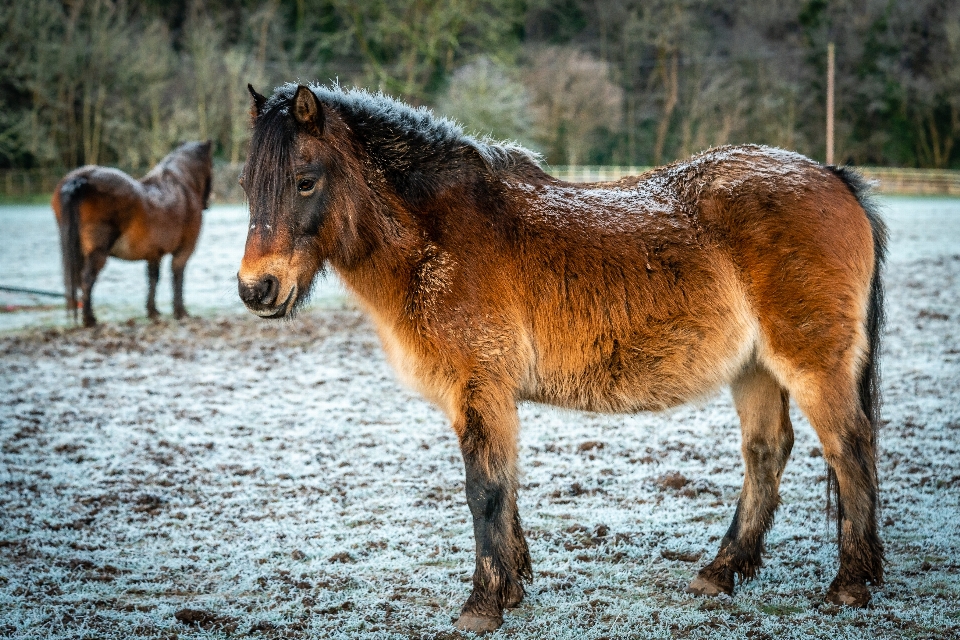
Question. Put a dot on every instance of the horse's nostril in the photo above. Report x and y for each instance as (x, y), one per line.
(263, 293)
(268, 288)
(247, 293)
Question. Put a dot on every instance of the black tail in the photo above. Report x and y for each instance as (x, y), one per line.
(870, 375)
(869, 383)
(71, 194)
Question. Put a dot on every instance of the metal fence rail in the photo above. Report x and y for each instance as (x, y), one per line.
(18, 183)
(593, 173)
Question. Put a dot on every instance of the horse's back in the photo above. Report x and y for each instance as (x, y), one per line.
(108, 181)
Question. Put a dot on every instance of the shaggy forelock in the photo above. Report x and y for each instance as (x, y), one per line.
(269, 167)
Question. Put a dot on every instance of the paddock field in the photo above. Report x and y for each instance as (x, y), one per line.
(230, 477)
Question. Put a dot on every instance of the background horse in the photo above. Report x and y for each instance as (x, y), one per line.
(490, 282)
(104, 212)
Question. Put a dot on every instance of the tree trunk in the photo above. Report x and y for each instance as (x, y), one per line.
(669, 74)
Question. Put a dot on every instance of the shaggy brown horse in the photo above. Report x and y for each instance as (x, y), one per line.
(490, 283)
(104, 212)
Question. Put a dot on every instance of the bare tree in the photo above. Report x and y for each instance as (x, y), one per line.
(572, 99)
(488, 99)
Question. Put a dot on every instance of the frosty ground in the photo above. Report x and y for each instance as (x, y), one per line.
(231, 477)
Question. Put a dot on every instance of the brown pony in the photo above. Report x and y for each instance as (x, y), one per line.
(104, 212)
(490, 283)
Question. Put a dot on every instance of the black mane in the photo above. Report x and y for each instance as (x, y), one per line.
(414, 149)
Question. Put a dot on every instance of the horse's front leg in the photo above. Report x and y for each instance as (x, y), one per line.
(488, 442)
(153, 276)
(177, 265)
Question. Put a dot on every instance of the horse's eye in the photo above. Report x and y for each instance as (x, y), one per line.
(305, 186)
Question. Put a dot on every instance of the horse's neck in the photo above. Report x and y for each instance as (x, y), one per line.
(398, 245)
(393, 244)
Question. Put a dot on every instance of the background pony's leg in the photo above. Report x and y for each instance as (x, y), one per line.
(849, 448)
(764, 410)
(177, 265)
(92, 265)
(153, 276)
(488, 441)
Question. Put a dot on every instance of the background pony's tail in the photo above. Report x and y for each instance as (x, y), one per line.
(71, 194)
(869, 382)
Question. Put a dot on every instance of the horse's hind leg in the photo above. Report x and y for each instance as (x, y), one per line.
(763, 407)
(488, 442)
(849, 448)
(92, 264)
(153, 276)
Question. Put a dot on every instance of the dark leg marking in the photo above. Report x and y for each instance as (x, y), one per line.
(861, 551)
(502, 556)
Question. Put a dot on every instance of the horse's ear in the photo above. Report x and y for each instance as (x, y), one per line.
(258, 101)
(307, 110)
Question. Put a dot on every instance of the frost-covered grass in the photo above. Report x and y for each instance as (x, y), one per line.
(274, 480)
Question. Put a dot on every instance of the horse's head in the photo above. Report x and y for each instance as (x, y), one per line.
(297, 181)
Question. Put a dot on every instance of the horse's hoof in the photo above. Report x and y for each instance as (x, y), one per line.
(514, 599)
(477, 624)
(704, 587)
(851, 595)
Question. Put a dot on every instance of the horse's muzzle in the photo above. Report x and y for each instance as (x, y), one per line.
(261, 297)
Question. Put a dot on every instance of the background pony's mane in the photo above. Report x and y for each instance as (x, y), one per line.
(183, 165)
(413, 148)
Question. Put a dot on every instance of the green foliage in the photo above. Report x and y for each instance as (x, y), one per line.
(410, 47)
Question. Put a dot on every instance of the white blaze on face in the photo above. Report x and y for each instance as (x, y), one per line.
(266, 257)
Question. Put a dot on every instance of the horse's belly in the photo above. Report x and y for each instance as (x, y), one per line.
(138, 242)
(124, 249)
(650, 371)
(596, 389)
